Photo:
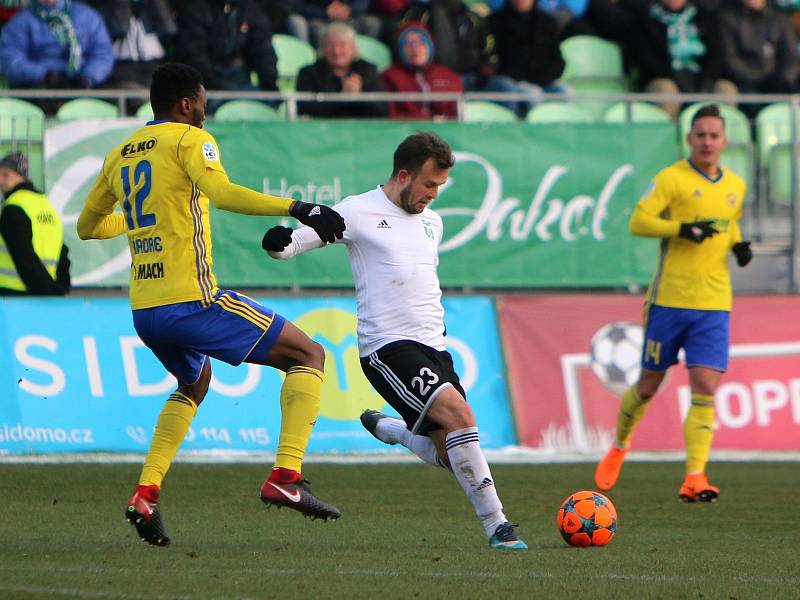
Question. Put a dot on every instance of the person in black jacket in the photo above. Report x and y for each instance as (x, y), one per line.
(141, 31)
(759, 48)
(527, 42)
(340, 70)
(22, 270)
(677, 48)
(226, 40)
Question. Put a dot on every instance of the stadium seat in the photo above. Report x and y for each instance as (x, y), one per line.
(22, 130)
(374, 51)
(558, 112)
(476, 111)
(590, 57)
(593, 67)
(86, 108)
(293, 54)
(640, 112)
(145, 112)
(774, 142)
(18, 118)
(738, 156)
(245, 110)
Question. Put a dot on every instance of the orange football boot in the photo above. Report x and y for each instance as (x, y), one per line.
(607, 472)
(696, 487)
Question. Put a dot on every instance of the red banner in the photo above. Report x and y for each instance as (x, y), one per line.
(565, 353)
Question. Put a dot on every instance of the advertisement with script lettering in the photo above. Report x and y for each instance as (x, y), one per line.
(76, 378)
(545, 205)
(570, 356)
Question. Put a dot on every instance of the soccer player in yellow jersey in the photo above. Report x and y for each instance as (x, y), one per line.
(163, 177)
(695, 207)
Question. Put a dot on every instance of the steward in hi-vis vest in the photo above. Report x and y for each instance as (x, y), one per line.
(33, 257)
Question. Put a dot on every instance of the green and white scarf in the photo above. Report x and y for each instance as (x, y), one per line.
(683, 36)
(59, 20)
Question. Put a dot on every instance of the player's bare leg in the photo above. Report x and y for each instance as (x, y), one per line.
(698, 432)
(173, 423)
(633, 405)
(460, 447)
(303, 361)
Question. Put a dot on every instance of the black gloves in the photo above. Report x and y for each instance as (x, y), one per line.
(743, 253)
(276, 239)
(328, 224)
(697, 231)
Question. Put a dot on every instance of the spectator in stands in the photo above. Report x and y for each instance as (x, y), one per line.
(33, 257)
(464, 44)
(391, 13)
(340, 70)
(321, 13)
(569, 16)
(415, 71)
(140, 31)
(8, 8)
(227, 40)
(527, 41)
(56, 44)
(759, 48)
(284, 18)
(675, 48)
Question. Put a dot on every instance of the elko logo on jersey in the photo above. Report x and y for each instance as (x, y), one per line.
(384, 225)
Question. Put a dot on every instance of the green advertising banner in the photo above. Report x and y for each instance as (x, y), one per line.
(525, 206)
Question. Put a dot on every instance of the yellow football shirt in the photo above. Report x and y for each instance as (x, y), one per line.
(692, 275)
(153, 175)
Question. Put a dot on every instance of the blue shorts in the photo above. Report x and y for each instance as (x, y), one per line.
(230, 329)
(703, 334)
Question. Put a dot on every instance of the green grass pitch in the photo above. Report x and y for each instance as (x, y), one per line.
(406, 532)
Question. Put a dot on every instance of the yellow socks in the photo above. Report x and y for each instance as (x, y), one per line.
(698, 432)
(171, 428)
(631, 410)
(300, 397)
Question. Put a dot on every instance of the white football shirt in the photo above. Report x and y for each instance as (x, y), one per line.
(393, 256)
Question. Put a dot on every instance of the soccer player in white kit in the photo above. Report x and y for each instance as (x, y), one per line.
(392, 240)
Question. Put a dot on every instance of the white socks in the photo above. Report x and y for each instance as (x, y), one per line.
(472, 471)
(466, 461)
(394, 431)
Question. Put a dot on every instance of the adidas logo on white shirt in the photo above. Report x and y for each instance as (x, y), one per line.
(384, 225)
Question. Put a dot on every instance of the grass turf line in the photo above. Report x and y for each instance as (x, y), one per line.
(406, 532)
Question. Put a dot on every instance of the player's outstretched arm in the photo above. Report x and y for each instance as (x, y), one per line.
(284, 243)
(232, 197)
(328, 223)
(97, 220)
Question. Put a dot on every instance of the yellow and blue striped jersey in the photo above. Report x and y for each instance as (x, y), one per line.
(692, 275)
(152, 175)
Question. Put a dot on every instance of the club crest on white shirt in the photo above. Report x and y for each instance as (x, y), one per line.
(428, 229)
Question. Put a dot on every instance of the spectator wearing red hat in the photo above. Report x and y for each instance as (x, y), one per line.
(415, 71)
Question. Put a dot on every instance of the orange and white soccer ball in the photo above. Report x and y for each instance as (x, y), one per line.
(587, 519)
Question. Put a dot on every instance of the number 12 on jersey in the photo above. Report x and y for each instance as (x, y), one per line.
(142, 170)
